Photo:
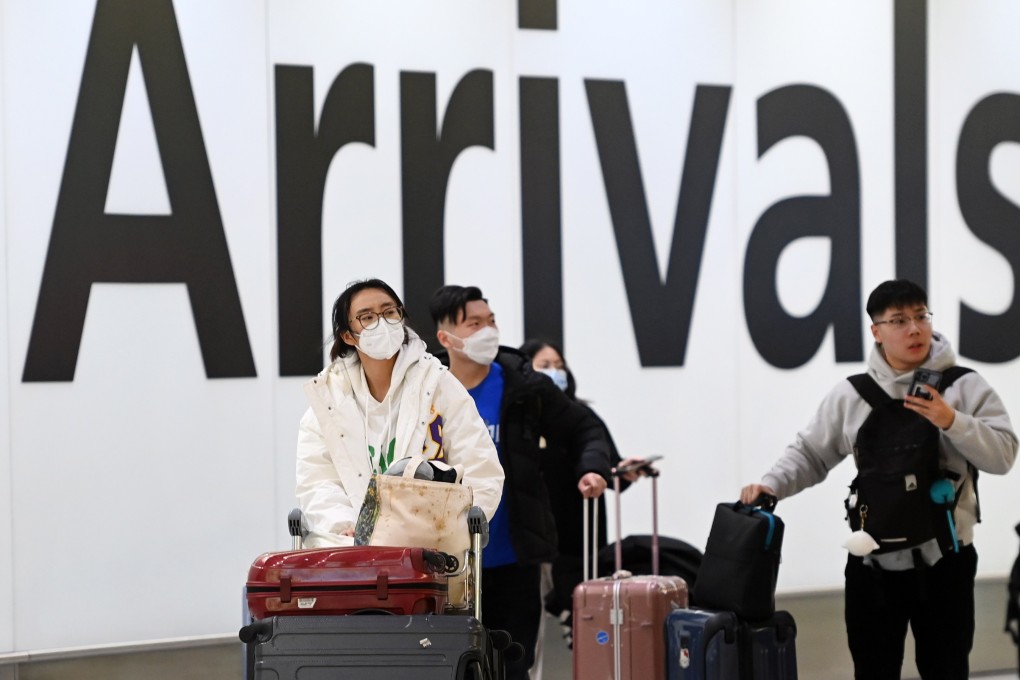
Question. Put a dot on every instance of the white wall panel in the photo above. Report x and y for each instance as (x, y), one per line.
(142, 489)
(7, 620)
(972, 56)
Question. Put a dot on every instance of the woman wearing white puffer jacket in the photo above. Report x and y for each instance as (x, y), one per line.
(381, 399)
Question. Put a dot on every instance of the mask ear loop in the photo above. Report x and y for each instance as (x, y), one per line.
(463, 343)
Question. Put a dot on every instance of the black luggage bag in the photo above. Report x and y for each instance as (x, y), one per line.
(741, 562)
(676, 557)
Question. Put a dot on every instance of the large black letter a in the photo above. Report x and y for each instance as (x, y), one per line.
(87, 245)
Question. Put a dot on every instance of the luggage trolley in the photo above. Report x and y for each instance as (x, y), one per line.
(363, 611)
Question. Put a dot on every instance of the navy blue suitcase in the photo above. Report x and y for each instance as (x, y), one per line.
(702, 645)
(707, 645)
(771, 648)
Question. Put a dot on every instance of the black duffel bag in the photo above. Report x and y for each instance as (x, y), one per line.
(741, 562)
(676, 557)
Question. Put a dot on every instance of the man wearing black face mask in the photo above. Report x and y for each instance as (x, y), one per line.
(519, 406)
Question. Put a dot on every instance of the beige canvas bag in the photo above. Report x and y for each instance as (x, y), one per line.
(404, 511)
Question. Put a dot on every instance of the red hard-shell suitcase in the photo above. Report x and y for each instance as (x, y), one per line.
(347, 580)
(618, 620)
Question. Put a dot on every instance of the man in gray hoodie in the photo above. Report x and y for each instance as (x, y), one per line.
(926, 586)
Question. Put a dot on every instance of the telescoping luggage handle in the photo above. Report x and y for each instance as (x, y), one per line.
(297, 532)
(591, 533)
(591, 541)
(478, 527)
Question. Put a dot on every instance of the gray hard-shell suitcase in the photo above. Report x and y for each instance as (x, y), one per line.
(383, 647)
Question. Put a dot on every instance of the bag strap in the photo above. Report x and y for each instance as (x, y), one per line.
(412, 465)
(873, 393)
(772, 526)
(869, 390)
(950, 375)
(763, 505)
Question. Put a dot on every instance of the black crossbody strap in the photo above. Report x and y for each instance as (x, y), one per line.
(872, 393)
(950, 375)
(869, 390)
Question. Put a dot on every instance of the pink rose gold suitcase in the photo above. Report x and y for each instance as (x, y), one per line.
(619, 620)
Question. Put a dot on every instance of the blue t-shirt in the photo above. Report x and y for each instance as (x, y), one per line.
(488, 396)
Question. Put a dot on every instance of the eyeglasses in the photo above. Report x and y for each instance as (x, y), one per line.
(370, 320)
(902, 323)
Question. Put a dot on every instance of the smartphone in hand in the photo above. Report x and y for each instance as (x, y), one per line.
(925, 379)
(630, 467)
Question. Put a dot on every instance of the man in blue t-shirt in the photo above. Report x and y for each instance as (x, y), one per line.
(520, 407)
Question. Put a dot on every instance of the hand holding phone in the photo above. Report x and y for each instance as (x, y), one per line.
(636, 465)
(925, 380)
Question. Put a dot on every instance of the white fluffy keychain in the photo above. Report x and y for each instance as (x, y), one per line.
(860, 543)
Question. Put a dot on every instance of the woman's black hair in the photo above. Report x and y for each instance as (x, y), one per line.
(533, 346)
(342, 313)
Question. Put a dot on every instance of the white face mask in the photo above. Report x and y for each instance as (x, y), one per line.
(558, 375)
(482, 346)
(382, 341)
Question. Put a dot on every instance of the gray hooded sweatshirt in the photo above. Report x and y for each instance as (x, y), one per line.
(980, 434)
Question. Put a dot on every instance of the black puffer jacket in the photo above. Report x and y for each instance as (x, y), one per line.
(534, 408)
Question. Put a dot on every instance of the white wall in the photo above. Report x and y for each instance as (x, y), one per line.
(7, 485)
(139, 491)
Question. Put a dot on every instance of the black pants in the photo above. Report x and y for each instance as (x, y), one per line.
(937, 602)
(512, 601)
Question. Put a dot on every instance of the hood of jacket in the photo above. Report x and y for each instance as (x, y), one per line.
(940, 357)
